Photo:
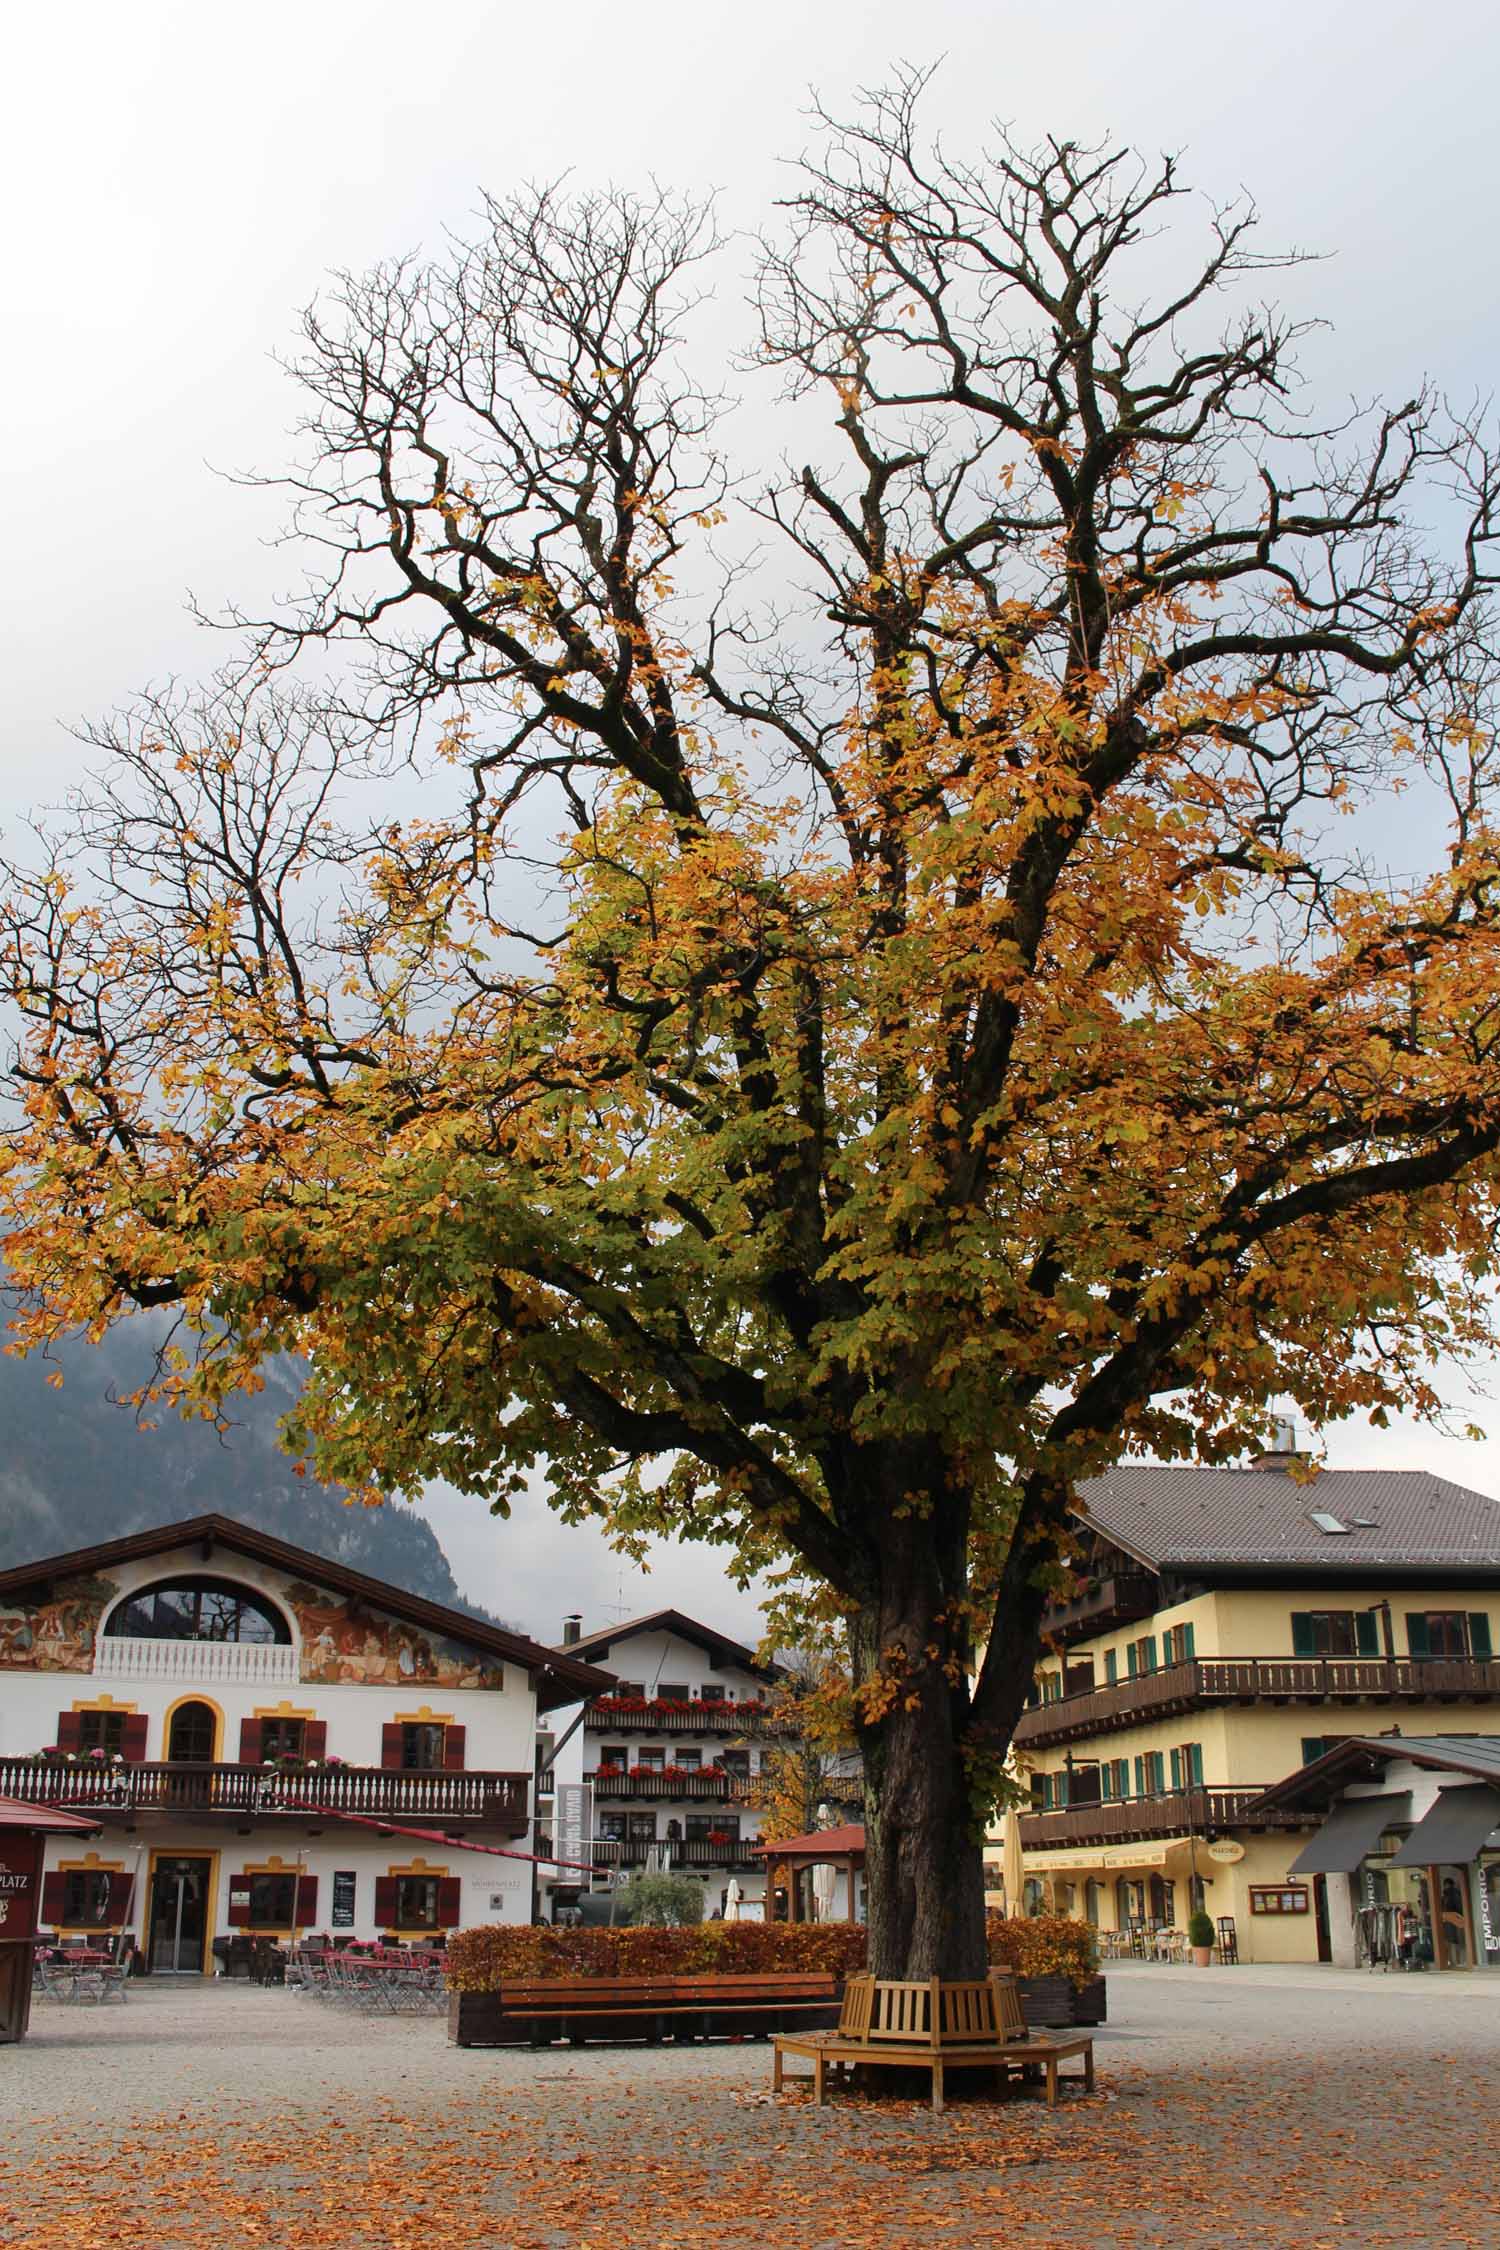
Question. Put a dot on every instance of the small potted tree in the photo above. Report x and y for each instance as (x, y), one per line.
(1201, 1938)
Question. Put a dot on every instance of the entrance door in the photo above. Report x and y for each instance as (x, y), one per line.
(1450, 1897)
(190, 1746)
(1320, 1917)
(179, 1916)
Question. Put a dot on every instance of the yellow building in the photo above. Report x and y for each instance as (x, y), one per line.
(1227, 1627)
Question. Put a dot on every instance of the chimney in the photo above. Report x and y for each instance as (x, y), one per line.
(572, 1630)
(1285, 1451)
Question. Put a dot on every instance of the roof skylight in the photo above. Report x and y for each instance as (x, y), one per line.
(1328, 1523)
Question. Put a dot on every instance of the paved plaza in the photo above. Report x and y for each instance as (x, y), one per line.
(1289, 2108)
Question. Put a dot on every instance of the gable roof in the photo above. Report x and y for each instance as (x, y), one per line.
(714, 1644)
(1364, 1757)
(560, 1677)
(1251, 1520)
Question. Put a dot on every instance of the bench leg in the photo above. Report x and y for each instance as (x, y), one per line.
(820, 2079)
(1052, 2081)
(937, 2089)
(776, 2070)
(1088, 2070)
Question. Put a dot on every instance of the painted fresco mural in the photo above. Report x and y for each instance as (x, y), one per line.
(56, 1635)
(344, 1642)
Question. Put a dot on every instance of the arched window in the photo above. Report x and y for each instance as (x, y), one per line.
(197, 1609)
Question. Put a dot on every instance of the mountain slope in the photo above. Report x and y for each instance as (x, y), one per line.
(76, 1469)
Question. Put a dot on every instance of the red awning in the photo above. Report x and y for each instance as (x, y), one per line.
(15, 1813)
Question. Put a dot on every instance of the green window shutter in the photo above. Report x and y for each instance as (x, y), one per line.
(1149, 1645)
(1312, 1748)
(1187, 1644)
(1176, 1769)
(1111, 1667)
(1106, 1784)
(1195, 1764)
(1366, 1632)
(1302, 1633)
(1479, 1633)
(1140, 1777)
(1130, 1660)
(1416, 1633)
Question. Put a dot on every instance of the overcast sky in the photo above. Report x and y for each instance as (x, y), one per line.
(179, 179)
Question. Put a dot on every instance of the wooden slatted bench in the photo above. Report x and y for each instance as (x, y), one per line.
(935, 2026)
(542, 2008)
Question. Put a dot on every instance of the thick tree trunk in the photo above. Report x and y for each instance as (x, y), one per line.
(924, 1864)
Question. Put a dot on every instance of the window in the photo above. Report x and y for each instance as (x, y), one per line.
(1120, 1769)
(190, 1740)
(198, 1609)
(86, 1898)
(653, 1761)
(674, 1691)
(1150, 1775)
(721, 1828)
(642, 1828)
(273, 1902)
(102, 1730)
(736, 1762)
(416, 1902)
(1177, 1645)
(689, 1760)
(1448, 1633)
(282, 1738)
(421, 1749)
(635, 1689)
(612, 1757)
(610, 1827)
(1140, 1656)
(1187, 1766)
(1335, 1632)
(1314, 1745)
(712, 1692)
(1111, 1667)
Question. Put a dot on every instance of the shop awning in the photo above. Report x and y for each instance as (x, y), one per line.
(1452, 1829)
(1349, 1831)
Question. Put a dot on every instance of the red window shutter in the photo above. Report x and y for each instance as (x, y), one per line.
(249, 1742)
(54, 1895)
(121, 1892)
(448, 1908)
(453, 1749)
(391, 1747)
(239, 1907)
(69, 1730)
(385, 1902)
(133, 1738)
(315, 1739)
(307, 1901)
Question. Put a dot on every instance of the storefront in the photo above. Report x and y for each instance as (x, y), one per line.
(1409, 1849)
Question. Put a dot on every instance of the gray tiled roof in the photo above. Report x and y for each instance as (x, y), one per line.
(1184, 1518)
(1352, 1758)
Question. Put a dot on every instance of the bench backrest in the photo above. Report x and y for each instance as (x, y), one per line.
(933, 2012)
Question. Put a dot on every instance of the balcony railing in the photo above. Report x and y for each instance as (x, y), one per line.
(629, 1714)
(1178, 1812)
(1259, 1679)
(121, 1792)
(258, 1663)
(1110, 1599)
(679, 1788)
(692, 1852)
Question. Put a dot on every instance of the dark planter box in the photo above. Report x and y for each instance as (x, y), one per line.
(1056, 2004)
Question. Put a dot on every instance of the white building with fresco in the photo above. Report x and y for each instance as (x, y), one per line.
(261, 1732)
(670, 1756)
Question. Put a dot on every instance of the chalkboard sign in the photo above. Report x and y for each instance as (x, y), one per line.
(343, 1899)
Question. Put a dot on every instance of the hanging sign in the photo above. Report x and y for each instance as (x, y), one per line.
(1226, 1852)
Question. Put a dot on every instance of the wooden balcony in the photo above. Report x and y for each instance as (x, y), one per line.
(682, 1787)
(122, 1793)
(629, 1714)
(1178, 1812)
(1207, 1680)
(1112, 1599)
(691, 1854)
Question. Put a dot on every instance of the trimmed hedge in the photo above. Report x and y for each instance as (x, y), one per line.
(482, 1960)
(1043, 1945)
(1047, 1945)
